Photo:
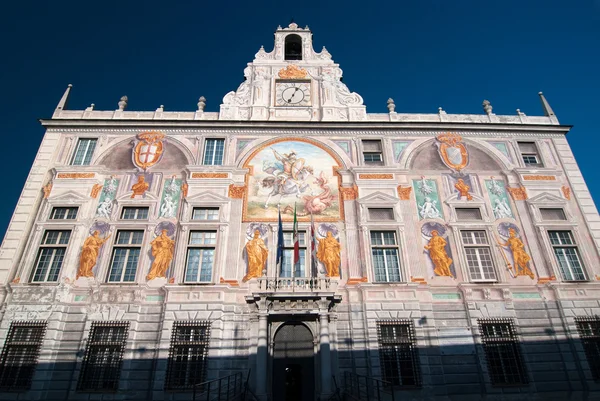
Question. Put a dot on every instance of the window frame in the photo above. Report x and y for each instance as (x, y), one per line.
(128, 246)
(409, 342)
(590, 338)
(20, 351)
(380, 152)
(574, 245)
(491, 343)
(203, 343)
(57, 246)
(85, 156)
(206, 208)
(489, 246)
(395, 246)
(287, 247)
(67, 213)
(562, 209)
(137, 209)
(536, 154)
(189, 246)
(119, 348)
(214, 151)
(458, 219)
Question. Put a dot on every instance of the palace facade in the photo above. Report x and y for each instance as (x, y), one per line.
(439, 256)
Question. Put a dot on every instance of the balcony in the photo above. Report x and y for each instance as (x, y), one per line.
(295, 284)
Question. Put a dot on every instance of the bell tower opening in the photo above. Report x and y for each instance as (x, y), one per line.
(293, 47)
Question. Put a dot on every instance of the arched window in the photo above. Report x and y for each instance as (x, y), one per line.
(293, 47)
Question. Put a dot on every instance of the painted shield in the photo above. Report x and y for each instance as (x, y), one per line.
(148, 150)
(297, 168)
(453, 151)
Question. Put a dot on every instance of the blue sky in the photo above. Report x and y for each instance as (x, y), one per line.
(423, 53)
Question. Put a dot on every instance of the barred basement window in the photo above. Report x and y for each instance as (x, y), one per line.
(381, 214)
(502, 352)
(553, 214)
(187, 354)
(63, 213)
(468, 213)
(398, 354)
(589, 332)
(101, 366)
(20, 354)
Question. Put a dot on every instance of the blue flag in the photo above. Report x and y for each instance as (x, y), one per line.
(280, 244)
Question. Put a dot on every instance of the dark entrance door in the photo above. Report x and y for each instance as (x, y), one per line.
(293, 363)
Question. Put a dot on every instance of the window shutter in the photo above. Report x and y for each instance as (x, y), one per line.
(553, 214)
(469, 213)
(527, 147)
(385, 214)
(371, 146)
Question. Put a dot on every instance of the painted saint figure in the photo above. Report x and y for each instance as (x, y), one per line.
(89, 254)
(329, 254)
(257, 256)
(105, 208)
(520, 257)
(163, 248)
(428, 209)
(140, 187)
(168, 207)
(463, 189)
(501, 209)
(438, 255)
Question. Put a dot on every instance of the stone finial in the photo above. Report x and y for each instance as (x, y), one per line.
(548, 112)
(520, 113)
(441, 111)
(123, 103)
(62, 104)
(487, 107)
(391, 105)
(202, 102)
(91, 108)
(160, 109)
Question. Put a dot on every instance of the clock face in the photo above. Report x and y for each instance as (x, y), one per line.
(292, 93)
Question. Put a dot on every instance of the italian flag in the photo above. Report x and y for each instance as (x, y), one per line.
(296, 244)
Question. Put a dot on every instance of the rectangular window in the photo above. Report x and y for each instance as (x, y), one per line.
(502, 352)
(384, 250)
(101, 366)
(468, 213)
(398, 354)
(529, 153)
(51, 255)
(20, 354)
(288, 255)
(63, 213)
(479, 255)
(372, 152)
(84, 152)
(589, 332)
(567, 255)
(200, 256)
(135, 213)
(213, 152)
(205, 213)
(125, 256)
(187, 354)
(553, 214)
(381, 214)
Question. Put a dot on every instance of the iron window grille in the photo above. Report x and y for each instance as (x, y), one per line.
(213, 152)
(479, 255)
(529, 154)
(125, 256)
(84, 152)
(398, 354)
(200, 256)
(20, 354)
(188, 352)
(372, 152)
(502, 352)
(384, 251)
(287, 265)
(101, 367)
(51, 255)
(64, 213)
(589, 332)
(135, 213)
(205, 213)
(567, 255)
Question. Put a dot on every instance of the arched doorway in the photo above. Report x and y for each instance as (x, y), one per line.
(293, 363)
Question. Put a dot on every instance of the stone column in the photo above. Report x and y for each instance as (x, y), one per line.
(261, 356)
(325, 352)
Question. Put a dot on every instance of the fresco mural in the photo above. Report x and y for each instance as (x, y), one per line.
(428, 199)
(499, 199)
(170, 198)
(290, 173)
(105, 203)
(399, 147)
(436, 247)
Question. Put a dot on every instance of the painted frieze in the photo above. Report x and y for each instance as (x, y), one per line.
(292, 173)
(428, 200)
(107, 196)
(170, 198)
(499, 199)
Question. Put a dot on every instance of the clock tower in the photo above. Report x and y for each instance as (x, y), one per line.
(293, 83)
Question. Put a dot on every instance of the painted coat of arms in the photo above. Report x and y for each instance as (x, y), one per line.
(148, 149)
(288, 174)
(452, 151)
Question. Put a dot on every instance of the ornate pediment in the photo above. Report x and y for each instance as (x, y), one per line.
(378, 198)
(546, 198)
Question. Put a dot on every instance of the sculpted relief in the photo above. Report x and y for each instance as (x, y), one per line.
(292, 173)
